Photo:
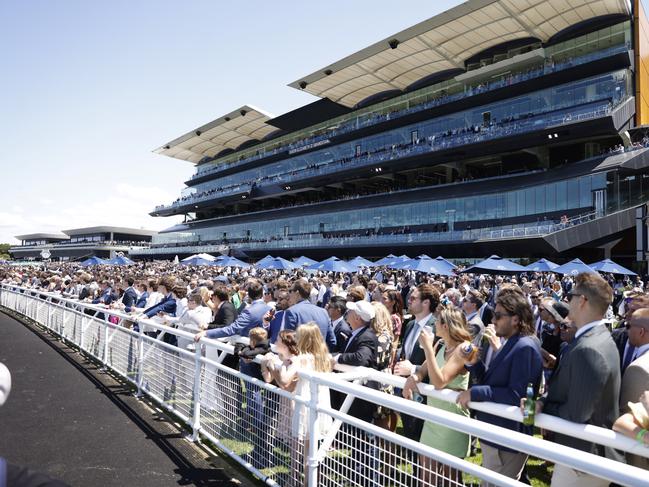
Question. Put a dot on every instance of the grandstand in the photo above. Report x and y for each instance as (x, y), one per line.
(496, 126)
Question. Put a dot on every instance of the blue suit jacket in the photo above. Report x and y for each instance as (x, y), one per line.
(106, 297)
(141, 302)
(505, 381)
(249, 318)
(129, 299)
(275, 325)
(167, 305)
(303, 312)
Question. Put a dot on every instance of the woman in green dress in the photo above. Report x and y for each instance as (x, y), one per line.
(444, 367)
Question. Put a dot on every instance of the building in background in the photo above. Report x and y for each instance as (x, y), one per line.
(81, 243)
(495, 127)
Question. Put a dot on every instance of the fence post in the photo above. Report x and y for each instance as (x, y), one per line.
(196, 396)
(140, 361)
(312, 461)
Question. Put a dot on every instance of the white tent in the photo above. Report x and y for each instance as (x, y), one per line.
(200, 256)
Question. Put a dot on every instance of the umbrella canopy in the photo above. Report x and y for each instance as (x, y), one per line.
(495, 265)
(607, 265)
(445, 262)
(543, 265)
(196, 261)
(260, 262)
(304, 261)
(93, 261)
(360, 262)
(385, 260)
(278, 263)
(121, 260)
(393, 261)
(573, 268)
(423, 263)
(200, 256)
(332, 264)
(230, 262)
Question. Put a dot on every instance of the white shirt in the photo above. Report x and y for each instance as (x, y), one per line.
(586, 327)
(639, 351)
(413, 336)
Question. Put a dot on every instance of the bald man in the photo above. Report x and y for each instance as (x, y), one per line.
(635, 379)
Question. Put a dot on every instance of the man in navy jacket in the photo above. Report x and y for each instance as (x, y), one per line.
(302, 311)
(504, 379)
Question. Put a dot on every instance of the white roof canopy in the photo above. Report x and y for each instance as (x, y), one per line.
(226, 132)
(445, 41)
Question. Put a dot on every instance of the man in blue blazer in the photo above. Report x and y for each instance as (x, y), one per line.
(129, 298)
(504, 380)
(168, 303)
(302, 311)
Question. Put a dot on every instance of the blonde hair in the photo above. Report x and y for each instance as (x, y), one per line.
(257, 334)
(204, 294)
(382, 322)
(458, 329)
(309, 340)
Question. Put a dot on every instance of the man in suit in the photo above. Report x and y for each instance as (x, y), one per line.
(274, 321)
(585, 387)
(635, 380)
(360, 351)
(168, 304)
(142, 296)
(471, 305)
(224, 312)
(337, 307)
(302, 311)
(106, 294)
(422, 303)
(129, 298)
(516, 363)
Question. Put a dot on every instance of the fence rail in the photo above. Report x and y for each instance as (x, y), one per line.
(299, 439)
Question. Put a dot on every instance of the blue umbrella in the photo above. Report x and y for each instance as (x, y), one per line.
(266, 259)
(332, 264)
(304, 261)
(607, 265)
(93, 261)
(573, 268)
(423, 263)
(495, 265)
(444, 262)
(196, 261)
(121, 260)
(397, 260)
(385, 260)
(543, 265)
(278, 263)
(360, 262)
(230, 262)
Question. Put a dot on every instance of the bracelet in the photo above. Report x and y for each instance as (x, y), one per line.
(640, 436)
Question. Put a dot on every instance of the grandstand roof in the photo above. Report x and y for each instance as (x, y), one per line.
(445, 41)
(109, 229)
(229, 131)
(43, 236)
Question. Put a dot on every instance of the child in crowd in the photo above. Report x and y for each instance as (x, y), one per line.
(259, 345)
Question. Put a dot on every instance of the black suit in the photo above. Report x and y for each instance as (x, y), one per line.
(343, 331)
(225, 315)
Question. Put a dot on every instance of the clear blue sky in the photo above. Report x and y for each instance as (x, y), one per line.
(89, 88)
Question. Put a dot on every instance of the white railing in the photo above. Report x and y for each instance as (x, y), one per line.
(257, 424)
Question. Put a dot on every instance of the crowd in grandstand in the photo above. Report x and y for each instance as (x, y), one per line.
(581, 341)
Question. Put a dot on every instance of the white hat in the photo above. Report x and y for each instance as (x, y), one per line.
(363, 309)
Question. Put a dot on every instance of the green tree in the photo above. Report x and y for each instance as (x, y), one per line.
(4, 251)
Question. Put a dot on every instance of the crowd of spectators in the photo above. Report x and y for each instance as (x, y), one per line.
(580, 341)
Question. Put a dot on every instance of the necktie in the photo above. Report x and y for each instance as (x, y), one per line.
(628, 356)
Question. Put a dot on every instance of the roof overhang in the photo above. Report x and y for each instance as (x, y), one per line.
(42, 236)
(229, 131)
(445, 41)
(109, 229)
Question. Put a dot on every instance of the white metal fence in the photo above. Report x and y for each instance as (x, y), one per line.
(258, 424)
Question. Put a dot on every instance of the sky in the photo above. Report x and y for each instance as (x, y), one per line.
(88, 89)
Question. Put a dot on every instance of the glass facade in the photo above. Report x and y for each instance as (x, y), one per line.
(512, 114)
(557, 196)
(565, 54)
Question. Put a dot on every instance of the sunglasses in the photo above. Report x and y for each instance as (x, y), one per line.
(571, 295)
(499, 315)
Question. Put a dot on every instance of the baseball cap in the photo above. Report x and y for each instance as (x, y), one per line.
(363, 309)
